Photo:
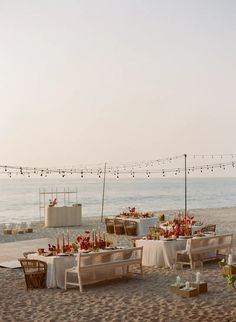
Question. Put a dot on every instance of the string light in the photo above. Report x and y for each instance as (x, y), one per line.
(124, 168)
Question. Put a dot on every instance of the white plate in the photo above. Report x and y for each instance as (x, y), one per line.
(185, 237)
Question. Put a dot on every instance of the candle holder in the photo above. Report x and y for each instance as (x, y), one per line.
(201, 286)
(189, 292)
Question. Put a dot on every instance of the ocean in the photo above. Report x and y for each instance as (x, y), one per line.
(20, 200)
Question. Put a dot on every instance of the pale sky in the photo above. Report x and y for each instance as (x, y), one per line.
(87, 81)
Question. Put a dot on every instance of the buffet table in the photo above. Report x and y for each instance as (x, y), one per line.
(160, 253)
(63, 216)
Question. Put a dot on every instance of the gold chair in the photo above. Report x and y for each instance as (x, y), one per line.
(130, 227)
(119, 226)
(209, 228)
(35, 272)
(153, 230)
(109, 225)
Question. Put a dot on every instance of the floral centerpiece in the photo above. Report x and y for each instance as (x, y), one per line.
(133, 213)
(92, 241)
(180, 226)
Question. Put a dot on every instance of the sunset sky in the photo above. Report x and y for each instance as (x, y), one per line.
(92, 81)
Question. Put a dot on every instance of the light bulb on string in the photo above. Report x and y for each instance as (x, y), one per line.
(5, 168)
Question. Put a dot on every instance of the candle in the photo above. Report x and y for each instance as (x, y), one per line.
(68, 237)
(187, 284)
(230, 259)
(63, 242)
(93, 235)
(58, 245)
(178, 280)
(198, 277)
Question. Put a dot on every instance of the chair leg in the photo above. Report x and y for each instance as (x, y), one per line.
(66, 280)
(80, 283)
(141, 269)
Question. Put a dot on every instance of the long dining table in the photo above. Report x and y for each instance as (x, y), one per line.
(56, 266)
(160, 253)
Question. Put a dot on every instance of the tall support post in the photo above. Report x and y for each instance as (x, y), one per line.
(39, 205)
(44, 203)
(185, 186)
(103, 191)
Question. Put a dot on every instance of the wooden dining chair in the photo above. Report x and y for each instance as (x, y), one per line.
(109, 225)
(154, 230)
(130, 227)
(35, 272)
(119, 226)
(209, 228)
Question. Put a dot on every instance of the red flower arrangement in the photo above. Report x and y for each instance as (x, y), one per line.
(96, 242)
(180, 227)
(133, 213)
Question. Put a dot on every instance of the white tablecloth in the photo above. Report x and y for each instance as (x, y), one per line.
(160, 253)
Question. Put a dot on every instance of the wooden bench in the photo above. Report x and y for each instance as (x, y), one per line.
(204, 249)
(94, 261)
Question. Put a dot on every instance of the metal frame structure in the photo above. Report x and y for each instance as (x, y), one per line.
(54, 194)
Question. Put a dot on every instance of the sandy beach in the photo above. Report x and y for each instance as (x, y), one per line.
(126, 299)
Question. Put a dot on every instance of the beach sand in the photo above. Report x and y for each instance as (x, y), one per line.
(126, 299)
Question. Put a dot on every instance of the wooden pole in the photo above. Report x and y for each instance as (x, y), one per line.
(103, 191)
(185, 186)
